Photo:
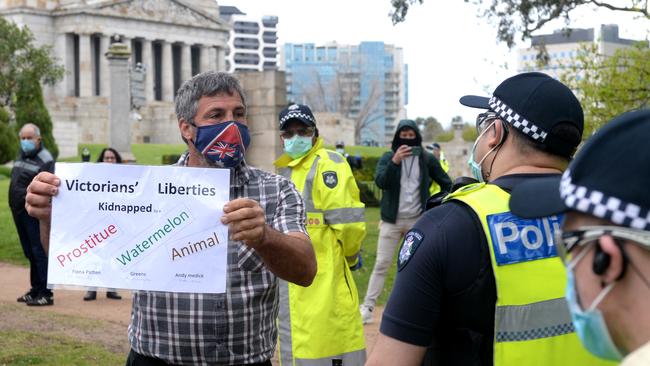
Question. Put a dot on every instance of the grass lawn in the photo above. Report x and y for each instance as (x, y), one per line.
(145, 154)
(18, 348)
(10, 250)
(369, 254)
(29, 337)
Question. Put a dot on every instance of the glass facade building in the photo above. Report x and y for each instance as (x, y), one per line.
(367, 83)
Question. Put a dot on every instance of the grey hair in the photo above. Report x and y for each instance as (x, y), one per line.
(37, 131)
(207, 83)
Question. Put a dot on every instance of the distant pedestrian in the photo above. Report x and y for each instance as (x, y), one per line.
(33, 159)
(111, 156)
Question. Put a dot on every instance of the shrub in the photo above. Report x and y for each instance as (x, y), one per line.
(169, 159)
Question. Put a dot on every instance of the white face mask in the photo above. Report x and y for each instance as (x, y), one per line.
(297, 146)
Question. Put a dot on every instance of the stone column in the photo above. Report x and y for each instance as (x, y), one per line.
(186, 63)
(212, 58)
(205, 59)
(61, 50)
(167, 73)
(120, 100)
(104, 79)
(85, 67)
(147, 60)
(221, 59)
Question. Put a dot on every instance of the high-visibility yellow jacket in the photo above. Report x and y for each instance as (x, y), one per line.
(322, 321)
(532, 322)
(435, 187)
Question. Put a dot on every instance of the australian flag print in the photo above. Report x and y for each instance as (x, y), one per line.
(225, 143)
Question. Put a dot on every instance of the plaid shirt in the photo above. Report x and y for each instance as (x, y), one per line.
(237, 327)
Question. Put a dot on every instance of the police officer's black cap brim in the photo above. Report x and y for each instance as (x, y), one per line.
(539, 197)
(475, 101)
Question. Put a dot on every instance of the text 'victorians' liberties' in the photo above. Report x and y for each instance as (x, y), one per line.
(139, 227)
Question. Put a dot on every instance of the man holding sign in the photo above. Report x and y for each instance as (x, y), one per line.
(267, 238)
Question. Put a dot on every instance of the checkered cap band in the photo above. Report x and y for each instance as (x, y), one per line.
(296, 114)
(516, 120)
(530, 334)
(596, 203)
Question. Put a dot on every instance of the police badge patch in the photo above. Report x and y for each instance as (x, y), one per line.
(330, 179)
(412, 241)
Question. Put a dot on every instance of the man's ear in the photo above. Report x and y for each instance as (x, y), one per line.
(495, 135)
(187, 130)
(616, 267)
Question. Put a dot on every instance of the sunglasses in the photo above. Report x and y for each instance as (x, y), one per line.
(303, 132)
(483, 119)
(566, 241)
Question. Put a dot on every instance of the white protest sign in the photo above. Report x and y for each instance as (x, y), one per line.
(139, 227)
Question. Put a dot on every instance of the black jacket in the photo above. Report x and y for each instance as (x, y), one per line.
(25, 169)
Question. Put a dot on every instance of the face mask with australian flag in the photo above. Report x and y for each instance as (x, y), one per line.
(223, 144)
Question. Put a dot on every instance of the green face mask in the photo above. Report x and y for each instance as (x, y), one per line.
(297, 146)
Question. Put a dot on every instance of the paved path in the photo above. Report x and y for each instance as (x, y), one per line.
(14, 282)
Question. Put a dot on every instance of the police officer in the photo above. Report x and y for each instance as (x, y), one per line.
(489, 287)
(605, 240)
(321, 322)
(436, 151)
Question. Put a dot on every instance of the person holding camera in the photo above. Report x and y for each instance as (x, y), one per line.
(404, 174)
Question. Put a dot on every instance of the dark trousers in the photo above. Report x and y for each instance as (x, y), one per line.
(30, 240)
(136, 359)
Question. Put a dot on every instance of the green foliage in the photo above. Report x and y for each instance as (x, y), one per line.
(169, 159)
(5, 172)
(429, 127)
(524, 17)
(609, 85)
(445, 136)
(369, 255)
(8, 138)
(10, 249)
(30, 108)
(469, 133)
(21, 60)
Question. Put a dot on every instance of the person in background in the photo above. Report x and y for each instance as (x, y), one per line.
(111, 156)
(605, 238)
(436, 150)
(321, 322)
(404, 174)
(33, 158)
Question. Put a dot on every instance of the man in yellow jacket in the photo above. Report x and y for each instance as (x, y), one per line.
(319, 323)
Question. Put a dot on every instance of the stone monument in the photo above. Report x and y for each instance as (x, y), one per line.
(120, 99)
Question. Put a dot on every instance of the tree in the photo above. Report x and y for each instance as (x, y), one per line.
(527, 16)
(23, 67)
(609, 85)
(30, 108)
(339, 92)
(8, 138)
(430, 128)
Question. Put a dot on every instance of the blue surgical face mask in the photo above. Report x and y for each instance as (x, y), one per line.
(475, 167)
(590, 324)
(223, 144)
(28, 146)
(297, 146)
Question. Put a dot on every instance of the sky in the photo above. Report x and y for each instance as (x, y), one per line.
(449, 49)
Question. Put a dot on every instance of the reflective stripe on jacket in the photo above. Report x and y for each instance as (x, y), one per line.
(532, 320)
(322, 321)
